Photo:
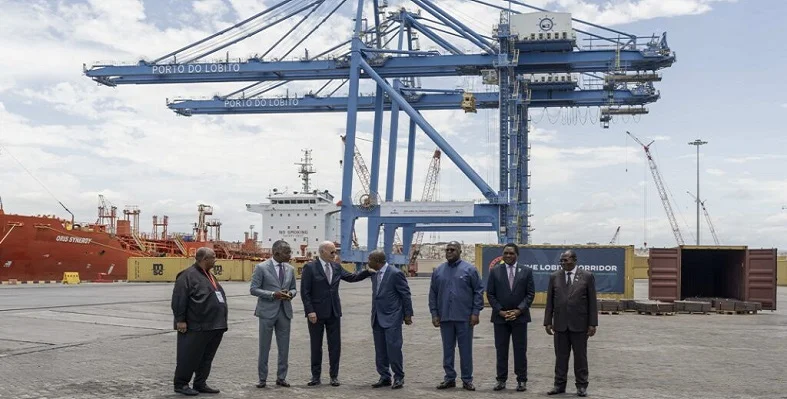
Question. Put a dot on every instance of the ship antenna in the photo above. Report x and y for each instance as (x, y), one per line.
(306, 169)
(39, 181)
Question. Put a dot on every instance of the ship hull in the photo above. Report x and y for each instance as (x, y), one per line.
(36, 248)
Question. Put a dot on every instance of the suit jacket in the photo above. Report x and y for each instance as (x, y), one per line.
(264, 282)
(502, 297)
(571, 308)
(391, 300)
(322, 296)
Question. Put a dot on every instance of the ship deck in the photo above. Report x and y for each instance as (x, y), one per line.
(115, 341)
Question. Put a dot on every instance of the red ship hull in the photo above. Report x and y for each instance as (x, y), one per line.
(39, 248)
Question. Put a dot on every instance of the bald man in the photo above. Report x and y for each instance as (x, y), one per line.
(320, 295)
(199, 307)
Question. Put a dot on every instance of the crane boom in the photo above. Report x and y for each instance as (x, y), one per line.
(707, 219)
(662, 191)
(615, 236)
(430, 185)
(359, 165)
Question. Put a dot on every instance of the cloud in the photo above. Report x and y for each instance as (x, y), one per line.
(79, 140)
(751, 158)
(715, 172)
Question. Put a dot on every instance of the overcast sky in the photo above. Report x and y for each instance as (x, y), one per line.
(66, 137)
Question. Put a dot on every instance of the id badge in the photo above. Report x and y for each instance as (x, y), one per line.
(220, 297)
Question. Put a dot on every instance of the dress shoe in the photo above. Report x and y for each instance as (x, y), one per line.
(447, 384)
(501, 385)
(556, 390)
(335, 382)
(206, 389)
(397, 384)
(262, 384)
(468, 386)
(313, 382)
(381, 383)
(186, 390)
(582, 392)
(283, 383)
(521, 386)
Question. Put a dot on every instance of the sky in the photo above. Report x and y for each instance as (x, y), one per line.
(65, 138)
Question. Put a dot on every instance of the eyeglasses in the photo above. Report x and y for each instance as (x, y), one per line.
(450, 249)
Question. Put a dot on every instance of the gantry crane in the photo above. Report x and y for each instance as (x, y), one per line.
(707, 218)
(520, 46)
(661, 189)
(430, 187)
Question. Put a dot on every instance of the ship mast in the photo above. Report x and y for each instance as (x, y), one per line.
(306, 169)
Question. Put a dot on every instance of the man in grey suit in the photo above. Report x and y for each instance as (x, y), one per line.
(391, 305)
(571, 315)
(273, 283)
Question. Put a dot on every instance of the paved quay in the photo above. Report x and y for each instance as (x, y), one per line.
(116, 341)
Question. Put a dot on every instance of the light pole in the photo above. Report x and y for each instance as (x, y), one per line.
(697, 143)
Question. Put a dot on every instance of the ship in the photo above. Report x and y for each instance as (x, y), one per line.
(304, 218)
(41, 248)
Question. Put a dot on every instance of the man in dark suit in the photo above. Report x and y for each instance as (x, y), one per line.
(320, 295)
(510, 291)
(391, 305)
(571, 314)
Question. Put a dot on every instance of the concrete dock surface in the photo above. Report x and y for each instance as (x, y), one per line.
(116, 341)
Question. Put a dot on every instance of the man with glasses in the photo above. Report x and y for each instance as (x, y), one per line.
(320, 295)
(571, 315)
(455, 302)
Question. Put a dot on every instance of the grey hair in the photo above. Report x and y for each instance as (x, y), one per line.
(203, 253)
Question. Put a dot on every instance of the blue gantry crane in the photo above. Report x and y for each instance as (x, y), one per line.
(535, 59)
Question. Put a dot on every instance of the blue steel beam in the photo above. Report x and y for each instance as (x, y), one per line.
(488, 100)
(449, 151)
(459, 27)
(434, 66)
(347, 216)
(410, 21)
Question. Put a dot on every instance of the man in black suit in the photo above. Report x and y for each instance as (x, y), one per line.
(510, 291)
(320, 295)
(571, 314)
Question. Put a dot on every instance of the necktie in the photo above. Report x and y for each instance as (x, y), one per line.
(328, 272)
(281, 274)
(568, 282)
(511, 277)
(379, 280)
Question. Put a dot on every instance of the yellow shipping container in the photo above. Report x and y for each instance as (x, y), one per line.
(639, 267)
(781, 271)
(227, 269)
(156, 269)
(540, 298)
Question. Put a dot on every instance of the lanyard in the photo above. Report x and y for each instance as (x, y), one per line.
(212, 281)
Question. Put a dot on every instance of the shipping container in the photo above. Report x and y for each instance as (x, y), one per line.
(158, 269)
(781, 271)
(611, 266)
(734, 272)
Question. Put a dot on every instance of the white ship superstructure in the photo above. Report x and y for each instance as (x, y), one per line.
(304, 219)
